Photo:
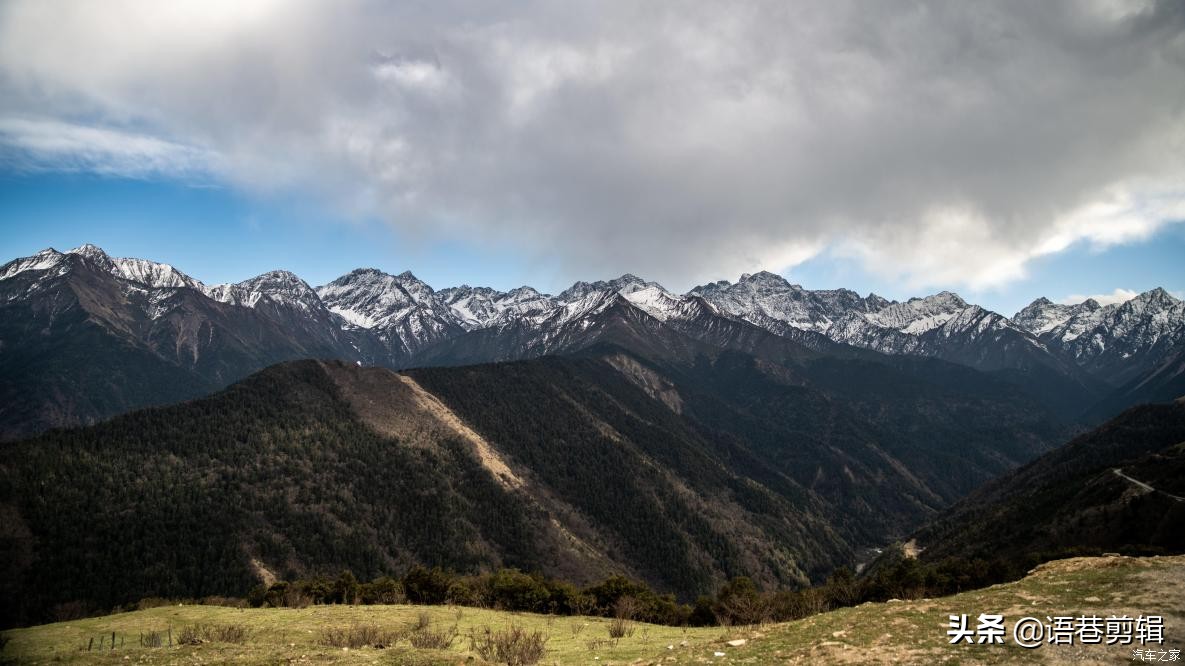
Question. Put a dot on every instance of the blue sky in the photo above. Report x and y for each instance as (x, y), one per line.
(219, 235)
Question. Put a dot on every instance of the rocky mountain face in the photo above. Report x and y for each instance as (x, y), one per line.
(1121, 341)
(1081, 359)
(84, 336)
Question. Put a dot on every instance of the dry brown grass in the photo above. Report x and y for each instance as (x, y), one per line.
(195, 634)
(360, 635)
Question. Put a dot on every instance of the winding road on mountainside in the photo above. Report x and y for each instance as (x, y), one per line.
(1119, 472)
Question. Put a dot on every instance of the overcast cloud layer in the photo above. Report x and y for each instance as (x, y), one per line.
(938, 143)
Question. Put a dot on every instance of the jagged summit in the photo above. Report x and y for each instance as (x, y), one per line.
(625, 284)
(278, 287)
(142, 272)
(278, 276)
(89, 250)
(764, 277)
(1158, 297)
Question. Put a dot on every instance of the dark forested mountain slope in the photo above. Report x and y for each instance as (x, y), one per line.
(78, 344)
(1114, 488)
(682, 472)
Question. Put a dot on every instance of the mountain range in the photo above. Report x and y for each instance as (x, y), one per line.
(756, 428)
(153, 335)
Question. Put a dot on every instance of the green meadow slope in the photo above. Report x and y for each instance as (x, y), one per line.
(894, 632)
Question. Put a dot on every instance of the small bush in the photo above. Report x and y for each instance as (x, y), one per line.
(426, 586)
(625, 610)
(195, 634)
(428, 639)
(360, 635)
(152, 639)
(383, 590)
(584, 604)
(469, 591)
(620, 627)
(423, 620)
(190, 635)
(296, 598)
(513, 646)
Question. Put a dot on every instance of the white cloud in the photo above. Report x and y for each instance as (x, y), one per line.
(1120, 295)
(940, 143)
(49, 145)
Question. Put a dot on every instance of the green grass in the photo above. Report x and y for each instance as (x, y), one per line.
(897, 632)
(280, 634)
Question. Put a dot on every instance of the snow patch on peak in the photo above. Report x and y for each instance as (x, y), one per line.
(143, 272)
(623, 285)
(43, 260)
(918, 315)
(401, 307)
(1157, 298)
(152, 274)
(279, 287)
(706, 290)
(89, 250)
(656, 301)
(274, 277)
(763, 278)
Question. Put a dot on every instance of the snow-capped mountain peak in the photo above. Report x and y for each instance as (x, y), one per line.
(405, 316)
(279, 287)
(43, 260)
(764, 279)
(90, 251)
(401, 309)
(152, 274)
(1117, 339)
(1043, 315)
(765, 299)
(1156, 298)
(482, 307)
(143, 272)
(623, 285)
(653, 299)
(918, 315)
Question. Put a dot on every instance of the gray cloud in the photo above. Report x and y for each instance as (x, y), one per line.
(937, 142)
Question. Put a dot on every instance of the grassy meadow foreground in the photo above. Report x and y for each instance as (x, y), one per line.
(893, 632)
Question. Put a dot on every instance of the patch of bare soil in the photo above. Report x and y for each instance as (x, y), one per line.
(397, 406)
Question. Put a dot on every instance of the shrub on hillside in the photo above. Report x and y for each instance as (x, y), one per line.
(514, 646)
(511, 589)
(360, 635)
(427, 586)
(383, 590)
(433, 639)
(195, 634)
